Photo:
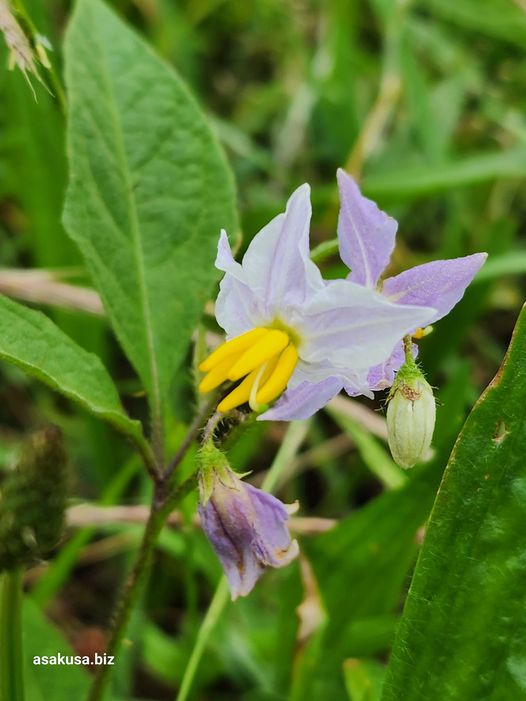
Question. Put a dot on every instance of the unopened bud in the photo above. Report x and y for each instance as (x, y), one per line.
(410, 417)
(32, 500)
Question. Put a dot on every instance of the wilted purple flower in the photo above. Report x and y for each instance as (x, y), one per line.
(289, 328)
(367, 238)
(246, 526)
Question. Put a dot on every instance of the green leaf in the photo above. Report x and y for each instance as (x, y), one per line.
(149, 191)
(419, 181)
(32, 342)
(45, 681)
(463, 631)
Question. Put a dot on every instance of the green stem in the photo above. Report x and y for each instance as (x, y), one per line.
(408, 350)
(11, 660)
(325, 250)
(290, 445)
(148, 457)
(127, 599)
(161, 507)
(58, 90)
(216, 608)
(192, 433)
(157, 436)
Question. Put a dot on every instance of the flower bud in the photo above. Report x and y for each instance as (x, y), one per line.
(410, 417)
(32, 500)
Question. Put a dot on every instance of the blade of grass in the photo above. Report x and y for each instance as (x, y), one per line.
(11, 661)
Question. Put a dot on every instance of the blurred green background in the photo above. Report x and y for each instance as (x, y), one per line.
(424, 101)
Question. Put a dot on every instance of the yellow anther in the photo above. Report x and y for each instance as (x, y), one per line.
(218, 374)
(267, 347)
(280, 377)
(420, 333)
(233, 347)
(241, 393)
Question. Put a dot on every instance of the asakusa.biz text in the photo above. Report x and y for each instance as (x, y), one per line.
(60, 659)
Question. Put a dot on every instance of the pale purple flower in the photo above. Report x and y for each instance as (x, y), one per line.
(367, 238)
(246, 526)
(339, 329)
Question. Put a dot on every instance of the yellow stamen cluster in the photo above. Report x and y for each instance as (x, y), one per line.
(421, 333)
(264, 357)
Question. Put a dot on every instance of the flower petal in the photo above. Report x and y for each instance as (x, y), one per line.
(382, 376)
(277, 265)
(303, 401)
(366, 234)
(247, 528)
(355, 327)
(440, 284)
(273, 544)
(237, 308)
(225, 260)
(240, 563)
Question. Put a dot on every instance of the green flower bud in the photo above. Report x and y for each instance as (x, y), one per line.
(33, 500)
(410, 417)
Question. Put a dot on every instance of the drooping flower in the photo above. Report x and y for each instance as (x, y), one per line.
(289, 328)
(366, 239)
(246, 526)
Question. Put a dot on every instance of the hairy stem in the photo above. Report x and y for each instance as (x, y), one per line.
(128, 597)
(192, 433)
(162, 505)
(149, 459)
(408, 350)
(11, 660)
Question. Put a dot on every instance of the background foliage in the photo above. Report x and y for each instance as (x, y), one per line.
(425, 100)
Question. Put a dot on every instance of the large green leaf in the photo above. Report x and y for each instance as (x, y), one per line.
(463, 633)
(32, 342)
(149, 191)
